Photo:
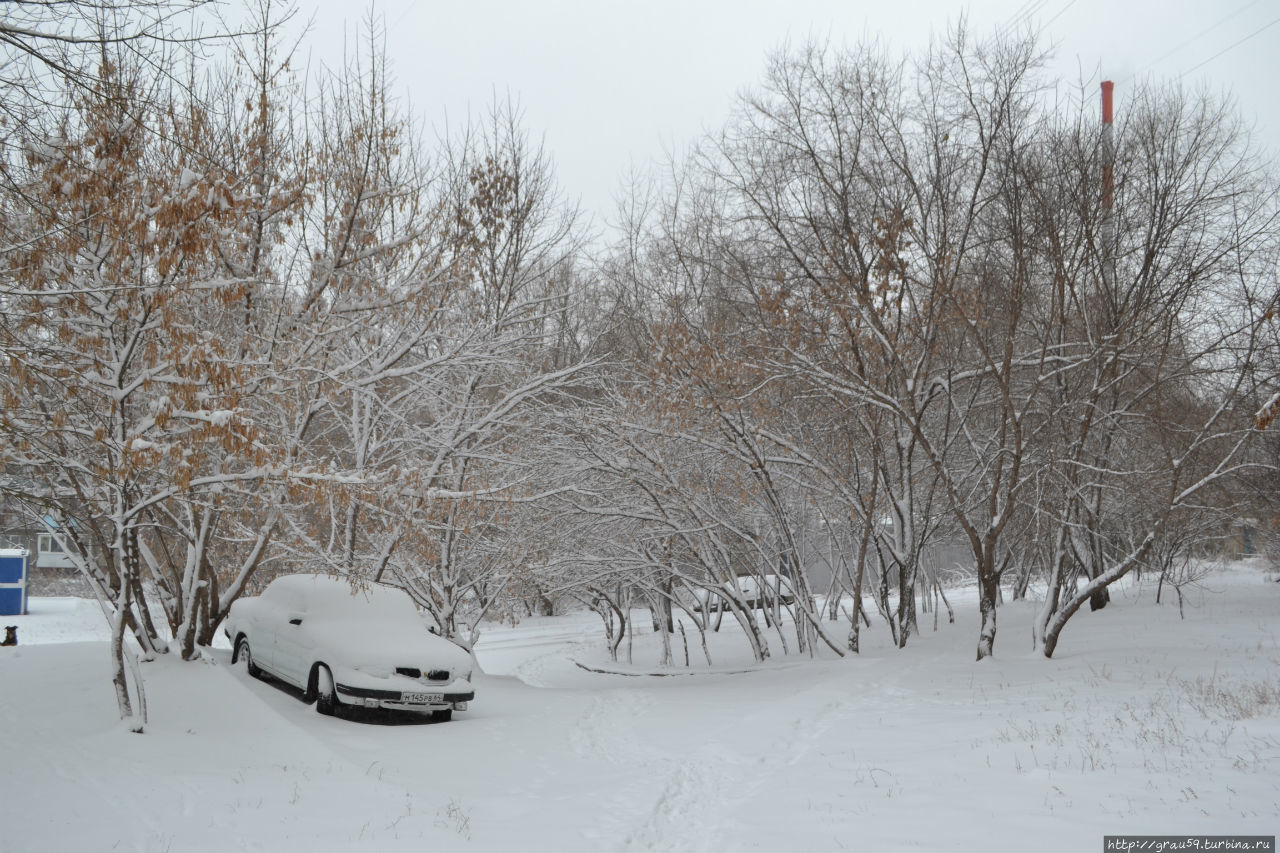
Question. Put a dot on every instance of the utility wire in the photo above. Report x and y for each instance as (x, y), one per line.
(1026, 12)
(1200, 34)
(1230, 47)
(1062, 12)
(1022, 16)
(1018, 13)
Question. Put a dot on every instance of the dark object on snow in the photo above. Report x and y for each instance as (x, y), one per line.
(10, 635)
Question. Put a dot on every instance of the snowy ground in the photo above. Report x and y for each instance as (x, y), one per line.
(1144, 724)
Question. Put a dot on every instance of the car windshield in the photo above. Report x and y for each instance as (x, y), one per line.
(337, 600)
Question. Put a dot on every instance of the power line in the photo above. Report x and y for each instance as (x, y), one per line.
(1022, 16)
(1061, 12)
(1019, 12)
(1230, 47)
(1025, 15)
(1200, 34)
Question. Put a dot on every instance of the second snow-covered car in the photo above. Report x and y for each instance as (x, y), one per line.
(752, 590)
(367, 648)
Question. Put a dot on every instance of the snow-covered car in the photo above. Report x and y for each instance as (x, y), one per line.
(367, 648)
(753, 590)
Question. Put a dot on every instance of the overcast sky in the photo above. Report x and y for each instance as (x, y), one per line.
(608, 85)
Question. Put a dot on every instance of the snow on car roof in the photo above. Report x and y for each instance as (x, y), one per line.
(327, 594)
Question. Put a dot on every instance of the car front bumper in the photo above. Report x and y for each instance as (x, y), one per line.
(425, 699)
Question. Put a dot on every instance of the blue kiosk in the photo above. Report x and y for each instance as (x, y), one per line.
(13, 581)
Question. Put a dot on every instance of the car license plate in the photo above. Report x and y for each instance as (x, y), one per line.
(423, 698)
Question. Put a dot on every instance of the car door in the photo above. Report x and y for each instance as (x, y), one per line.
(253, 619)
(291, 643)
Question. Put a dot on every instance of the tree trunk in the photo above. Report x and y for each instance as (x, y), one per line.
(1103, 579)
(989, 595)
(907, 624)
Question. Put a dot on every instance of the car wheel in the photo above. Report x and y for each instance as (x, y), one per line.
(243, 653)
(326, 694)
(442, 716)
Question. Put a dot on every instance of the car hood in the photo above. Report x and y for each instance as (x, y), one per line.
(359, 643)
